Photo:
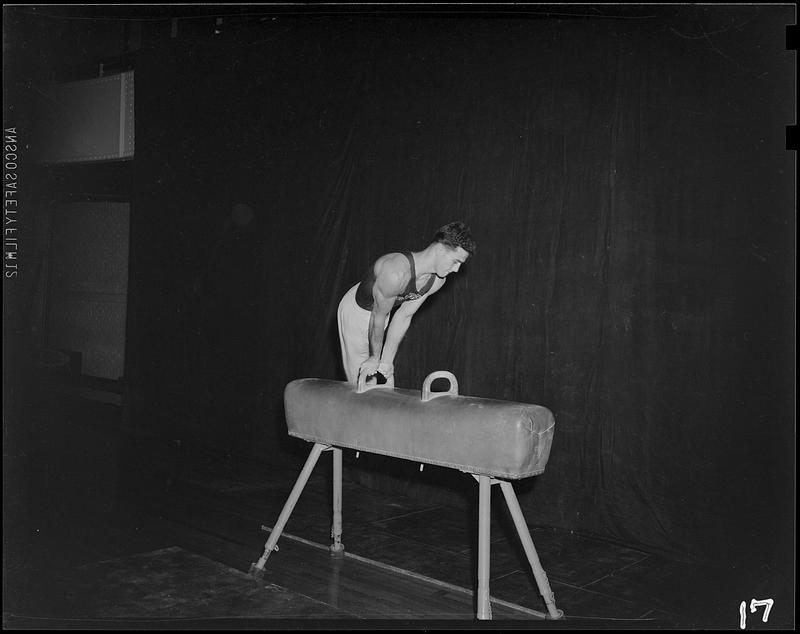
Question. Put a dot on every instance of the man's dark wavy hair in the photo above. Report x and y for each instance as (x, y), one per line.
(454, 235)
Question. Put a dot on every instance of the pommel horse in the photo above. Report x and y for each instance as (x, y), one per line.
(494, 441)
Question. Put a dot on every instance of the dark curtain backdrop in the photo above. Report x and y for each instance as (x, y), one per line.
(632, 201)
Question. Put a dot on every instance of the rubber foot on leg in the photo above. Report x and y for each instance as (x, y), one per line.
(337, 551)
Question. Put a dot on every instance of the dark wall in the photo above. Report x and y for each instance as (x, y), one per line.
(628, 187)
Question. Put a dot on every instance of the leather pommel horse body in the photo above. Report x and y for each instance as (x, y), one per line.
(495, 441)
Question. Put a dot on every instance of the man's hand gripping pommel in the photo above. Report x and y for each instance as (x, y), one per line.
(373, 366)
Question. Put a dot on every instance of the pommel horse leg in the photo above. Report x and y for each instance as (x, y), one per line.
(484, 525)
(484, 522)
(257, 569)
(530, 550)
(337, 548)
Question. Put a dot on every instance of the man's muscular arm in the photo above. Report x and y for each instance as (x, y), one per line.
(391, 276)
(399, 326)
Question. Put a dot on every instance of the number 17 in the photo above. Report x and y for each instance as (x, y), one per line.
(766, 603)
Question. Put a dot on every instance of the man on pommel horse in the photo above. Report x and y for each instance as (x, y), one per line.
(401, 281)
(494, 441)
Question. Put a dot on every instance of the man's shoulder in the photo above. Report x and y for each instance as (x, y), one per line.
(393, 268)
(391, 262)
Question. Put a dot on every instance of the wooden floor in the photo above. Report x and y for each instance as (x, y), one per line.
(103, 527)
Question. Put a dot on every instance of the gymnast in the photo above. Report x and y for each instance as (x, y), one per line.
(369, 333)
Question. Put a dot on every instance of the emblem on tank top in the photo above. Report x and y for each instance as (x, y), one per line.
(411, 296)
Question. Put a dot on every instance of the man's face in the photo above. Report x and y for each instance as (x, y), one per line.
(450, 260)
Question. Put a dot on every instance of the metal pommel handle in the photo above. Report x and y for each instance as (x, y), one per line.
(427, 395)
(363, 387)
